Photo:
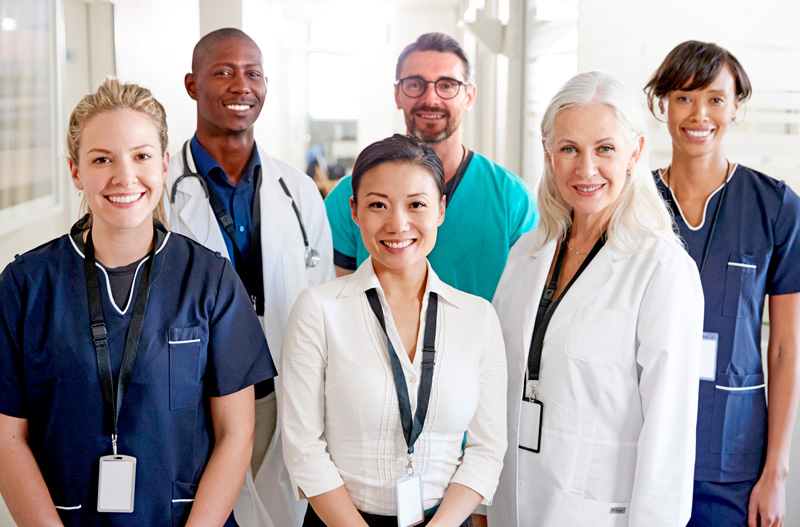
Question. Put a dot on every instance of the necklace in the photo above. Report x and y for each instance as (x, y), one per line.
(577, 253)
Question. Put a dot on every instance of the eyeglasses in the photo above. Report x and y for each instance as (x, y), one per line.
(445, 88)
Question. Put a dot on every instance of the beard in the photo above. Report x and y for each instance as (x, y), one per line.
(431, 137)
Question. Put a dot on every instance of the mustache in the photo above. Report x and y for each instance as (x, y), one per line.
(431, 109)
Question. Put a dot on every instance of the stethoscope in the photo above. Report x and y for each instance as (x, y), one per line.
(312, 257)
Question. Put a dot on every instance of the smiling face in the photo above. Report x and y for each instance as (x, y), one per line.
(399, 210)
(698, 119)
(121, 169)
(590, 156)
(430, 118)
(229, 87)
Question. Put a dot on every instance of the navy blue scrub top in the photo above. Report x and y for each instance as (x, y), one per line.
(201, 338)
(754, 252)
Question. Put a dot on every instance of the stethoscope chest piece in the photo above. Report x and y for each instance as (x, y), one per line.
(312, 257)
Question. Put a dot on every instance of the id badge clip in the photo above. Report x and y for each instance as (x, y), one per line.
(530, 420)
(116, 482)
(410, 510)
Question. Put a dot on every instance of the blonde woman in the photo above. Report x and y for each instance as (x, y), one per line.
(127, 354)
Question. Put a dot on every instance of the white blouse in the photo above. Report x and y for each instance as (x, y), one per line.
(339, 411)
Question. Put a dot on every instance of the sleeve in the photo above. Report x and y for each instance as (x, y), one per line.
(319, 234)
(238, 355)
(784, 274)
(302, 400)
(486, 434)
(12, 374)
(343, 230)
(669, 334)
(523, 214)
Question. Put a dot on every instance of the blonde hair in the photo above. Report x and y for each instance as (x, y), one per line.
(114, 95)
(639, 212)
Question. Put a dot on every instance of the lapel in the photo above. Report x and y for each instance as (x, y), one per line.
(277, 216)
(594, 278)
(195, 211)
(531, 286)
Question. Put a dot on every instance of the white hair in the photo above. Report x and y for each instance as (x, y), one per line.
(639, 212)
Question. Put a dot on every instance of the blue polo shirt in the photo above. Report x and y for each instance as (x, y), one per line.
(487, 212)
(238, 200)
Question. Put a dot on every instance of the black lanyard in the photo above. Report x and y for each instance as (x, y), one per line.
(426, 379)
(248, 273)
(547, 307)
(111, 403)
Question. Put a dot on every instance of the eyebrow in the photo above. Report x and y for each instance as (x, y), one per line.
(105, 151)
(380, 195)
(234, 65)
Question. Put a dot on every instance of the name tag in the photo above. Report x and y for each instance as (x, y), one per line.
(708, 357)
(409, 500)
(116, 484)
(530, 425)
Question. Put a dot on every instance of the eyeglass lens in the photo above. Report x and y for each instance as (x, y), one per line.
(445, 88)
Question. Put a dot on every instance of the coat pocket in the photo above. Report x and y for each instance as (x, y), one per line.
(185, 389)
(182, 500)
(596, 335)
(739, 281)
(568, 510)
(68, 505)
(739, 418)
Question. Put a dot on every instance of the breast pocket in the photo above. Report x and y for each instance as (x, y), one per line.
(739, 418)
(596, 334)
(185, 389)
(739, 281)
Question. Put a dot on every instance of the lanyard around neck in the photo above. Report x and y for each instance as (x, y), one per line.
(113, 395)
(426, 379)
(547, 306)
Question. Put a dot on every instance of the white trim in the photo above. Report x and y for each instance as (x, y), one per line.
(737, 264)
(740, 388)
(183, 341)
(185, 500)
(705, 206)
(63, 508)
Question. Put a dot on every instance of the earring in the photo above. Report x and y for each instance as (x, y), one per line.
(629, 172)
(733, 119)
(80, 194)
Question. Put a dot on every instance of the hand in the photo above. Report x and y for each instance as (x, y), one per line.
(768, 502)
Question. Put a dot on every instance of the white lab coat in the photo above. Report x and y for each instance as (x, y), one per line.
(268, 501)
(619, 383)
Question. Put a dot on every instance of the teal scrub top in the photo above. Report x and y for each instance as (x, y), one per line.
(486, 214)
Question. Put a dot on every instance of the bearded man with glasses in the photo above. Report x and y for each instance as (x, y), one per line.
(488, 207)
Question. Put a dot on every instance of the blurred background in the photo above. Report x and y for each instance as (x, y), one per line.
(330, 67)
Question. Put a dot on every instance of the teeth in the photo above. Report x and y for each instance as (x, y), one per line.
(698, 133)
(589, 189)
(237, 107)
(125, 199)
(431, 115)
(398, 245)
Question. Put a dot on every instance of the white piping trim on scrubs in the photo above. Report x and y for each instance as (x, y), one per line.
(185, 500)
(705, 207)
(183, 341)
(108, 282)
(737, 264)
(739, 388)
(63, 508)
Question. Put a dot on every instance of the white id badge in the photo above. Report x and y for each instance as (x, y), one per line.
(116, 484)
(530, 425)
(409, 500)
(708, 357)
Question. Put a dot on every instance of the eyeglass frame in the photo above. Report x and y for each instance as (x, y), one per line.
(399, 84)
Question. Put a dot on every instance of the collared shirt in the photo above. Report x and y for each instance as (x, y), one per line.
(341, 421)
(486, 214)
(238, 200)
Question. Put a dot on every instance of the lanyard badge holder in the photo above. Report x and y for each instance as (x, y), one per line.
(410, 510)
(117, 473)
(531, 408)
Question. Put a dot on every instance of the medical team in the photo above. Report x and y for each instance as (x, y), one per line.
(615, 379)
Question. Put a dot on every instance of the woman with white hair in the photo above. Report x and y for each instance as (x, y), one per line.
(601, 311)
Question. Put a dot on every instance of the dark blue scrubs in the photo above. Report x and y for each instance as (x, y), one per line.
(201, 338)
(754, 252)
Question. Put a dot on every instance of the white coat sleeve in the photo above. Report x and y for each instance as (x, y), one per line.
(303, 363)
(486, 433)
(668, 338)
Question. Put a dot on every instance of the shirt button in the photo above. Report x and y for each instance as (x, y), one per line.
(241, 228)
(412, 379)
